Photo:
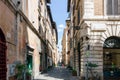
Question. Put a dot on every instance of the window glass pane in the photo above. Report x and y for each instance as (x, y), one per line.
(119, 7)
(112, 42)
(116, 7)
(109, 7)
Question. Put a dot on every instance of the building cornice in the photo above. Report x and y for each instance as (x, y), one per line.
(55, 27)
(102, 18)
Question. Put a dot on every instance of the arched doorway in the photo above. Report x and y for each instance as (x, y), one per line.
(3, 68)
(111, 58)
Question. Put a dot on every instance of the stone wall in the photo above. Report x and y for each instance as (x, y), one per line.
(98, 7)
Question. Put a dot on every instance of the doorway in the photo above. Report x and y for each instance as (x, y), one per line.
(29, 63)
(111, 58)
(41, 63)
(3, 68)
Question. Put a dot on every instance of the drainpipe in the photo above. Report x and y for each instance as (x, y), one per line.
(17, 36)
(17, 30)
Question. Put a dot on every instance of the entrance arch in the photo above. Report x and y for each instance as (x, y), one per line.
(112, 42)
(3, 68)
(111, 58)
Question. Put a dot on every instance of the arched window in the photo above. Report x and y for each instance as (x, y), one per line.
(112, 42)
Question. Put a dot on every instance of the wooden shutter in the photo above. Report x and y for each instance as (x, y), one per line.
(109, 7)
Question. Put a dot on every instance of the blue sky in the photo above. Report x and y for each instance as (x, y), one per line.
(59, 14)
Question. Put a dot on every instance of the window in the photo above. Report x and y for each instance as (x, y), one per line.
(78, 16)
(113, 7)
(78, 47)
(112, 42)
(70, 43)
(40, 29)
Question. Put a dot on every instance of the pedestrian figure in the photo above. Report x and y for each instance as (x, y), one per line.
(62, 65)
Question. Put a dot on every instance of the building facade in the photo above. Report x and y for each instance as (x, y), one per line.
(27, 35)
(66, 45)
(54, 43)
(95, 28)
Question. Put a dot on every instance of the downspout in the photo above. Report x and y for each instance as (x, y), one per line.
(17, 33)
(16, 9)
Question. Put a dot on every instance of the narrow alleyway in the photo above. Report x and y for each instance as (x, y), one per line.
(58, 73)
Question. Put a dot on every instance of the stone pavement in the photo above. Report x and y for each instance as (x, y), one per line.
(58, 73)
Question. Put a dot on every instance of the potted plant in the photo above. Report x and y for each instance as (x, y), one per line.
(28, 75)
(91, 67)
(74, 72)
(20, 71)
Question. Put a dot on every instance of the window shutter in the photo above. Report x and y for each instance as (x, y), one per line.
(115, 7)
(109, 7)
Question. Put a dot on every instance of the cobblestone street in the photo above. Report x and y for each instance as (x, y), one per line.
(58, 73)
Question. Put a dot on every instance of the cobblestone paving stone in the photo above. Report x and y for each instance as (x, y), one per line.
(58, 73)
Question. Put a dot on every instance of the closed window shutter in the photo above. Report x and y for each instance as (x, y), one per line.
(109, 7)
(115, 7)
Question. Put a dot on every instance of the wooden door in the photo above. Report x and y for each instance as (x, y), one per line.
(3, 68)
